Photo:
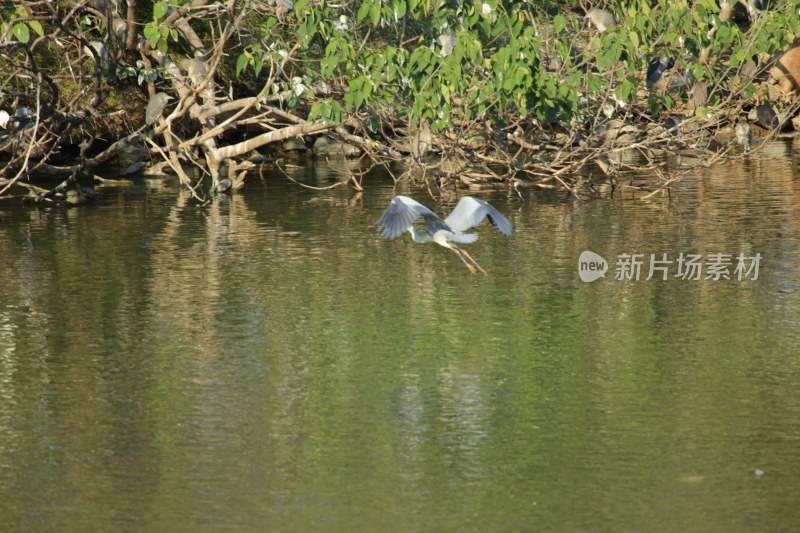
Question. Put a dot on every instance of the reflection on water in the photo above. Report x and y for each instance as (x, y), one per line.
(270, 362)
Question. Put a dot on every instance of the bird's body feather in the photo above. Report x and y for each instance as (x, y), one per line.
(155, 107)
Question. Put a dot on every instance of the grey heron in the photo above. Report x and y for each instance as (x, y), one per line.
(155, 107)
(744, 134)
(403, 211)
(223, 185)
(75, 198)
(765, 116)
(447, 41)
(196, 70)
(601, 19)
(98, 52)
(655, 72)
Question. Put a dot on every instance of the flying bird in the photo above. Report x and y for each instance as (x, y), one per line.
(403, 211)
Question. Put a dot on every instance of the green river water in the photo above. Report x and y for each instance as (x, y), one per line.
(270, 363)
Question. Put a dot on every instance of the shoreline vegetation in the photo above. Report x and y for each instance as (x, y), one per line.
(481, 94)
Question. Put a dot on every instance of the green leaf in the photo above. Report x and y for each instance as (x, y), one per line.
(307, 30)
(358, 90)
(701, 11)
(299, 6)
(336, 111)
(20, 31)
(419, 57)
(37, 27)
(375, 13)
(152, 35)
(399, 8)
(737, 58)
(363, 10)
(241, 63)
(634, 38)
(327, 64)
(607, 58)
(653, 104)
(521, 77)
(313, 113)
(446, 94)
(559, 23)
(159, 10)
(625, 90)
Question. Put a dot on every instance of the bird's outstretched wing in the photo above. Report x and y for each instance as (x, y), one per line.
(470, 212)
(400, 215)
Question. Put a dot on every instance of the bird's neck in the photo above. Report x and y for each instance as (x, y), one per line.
(417, 237)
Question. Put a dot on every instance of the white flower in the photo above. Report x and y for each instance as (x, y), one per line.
(283, 53)
(486, 9)
(4, 118)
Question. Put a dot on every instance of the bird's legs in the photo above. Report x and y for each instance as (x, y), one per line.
(458, 253)
(464, 252)
(463, 255)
